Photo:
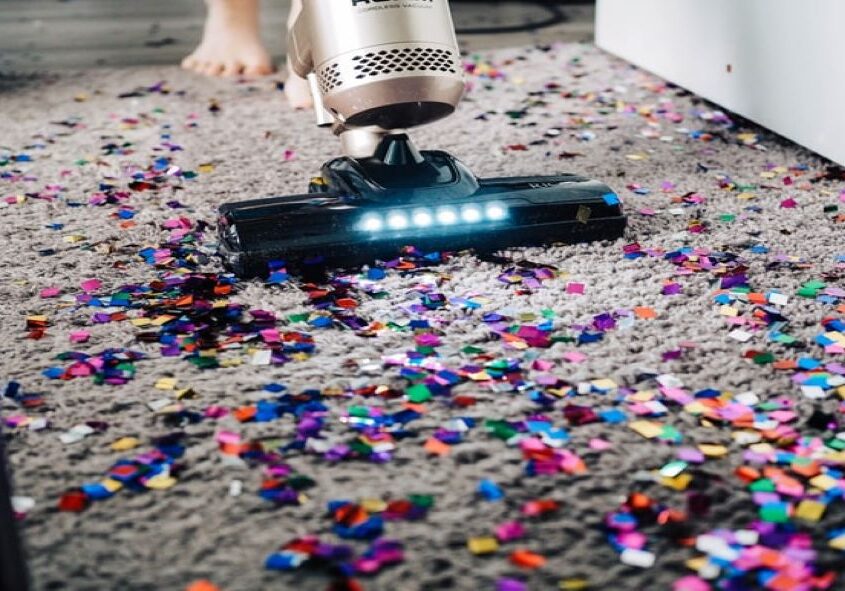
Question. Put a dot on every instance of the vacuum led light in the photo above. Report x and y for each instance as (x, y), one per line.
(372, 223)
(471, 214)
(397, 220)
(422, 218)
(496, 212)
(447, 216)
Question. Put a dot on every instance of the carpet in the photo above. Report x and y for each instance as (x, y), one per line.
(671, 396)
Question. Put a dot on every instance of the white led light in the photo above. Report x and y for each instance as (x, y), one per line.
(422, 218)
(397, 220)
(447, 216)
(372, 223)
(471, 214)
(496, 212)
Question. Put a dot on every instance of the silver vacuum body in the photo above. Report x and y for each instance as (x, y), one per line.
(378, 65)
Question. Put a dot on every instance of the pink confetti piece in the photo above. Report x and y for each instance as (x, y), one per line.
(90, 285)
(80, 336)
(575, 288)
(600, 444)
(50, 292)
(574, 356)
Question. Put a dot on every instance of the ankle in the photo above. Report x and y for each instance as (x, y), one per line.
(233, 13)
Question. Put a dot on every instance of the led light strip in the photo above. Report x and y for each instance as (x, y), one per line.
(400, 219)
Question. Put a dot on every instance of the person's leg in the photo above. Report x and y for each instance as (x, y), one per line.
(231, 44)
(296, 88)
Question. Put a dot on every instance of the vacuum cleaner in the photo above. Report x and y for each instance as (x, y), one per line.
(377, 68)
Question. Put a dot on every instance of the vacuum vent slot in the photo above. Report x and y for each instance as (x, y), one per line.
(329, 78)
(406, 59)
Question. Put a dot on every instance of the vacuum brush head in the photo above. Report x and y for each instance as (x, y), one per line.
(368, 209)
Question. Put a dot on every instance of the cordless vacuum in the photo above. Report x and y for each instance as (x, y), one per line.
(377, 68)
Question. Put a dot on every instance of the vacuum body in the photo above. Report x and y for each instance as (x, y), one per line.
(376, 69)
(379, 64)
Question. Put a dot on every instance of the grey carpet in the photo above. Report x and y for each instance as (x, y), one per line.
(611, 115)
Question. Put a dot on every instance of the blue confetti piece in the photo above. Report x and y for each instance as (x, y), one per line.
(490, 491)
(611, 198)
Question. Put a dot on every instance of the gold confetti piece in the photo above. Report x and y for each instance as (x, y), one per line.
(186, 394)
(163, 319)
(697, 563)
(837, 543)
(583, 214)
(112, 485)
(485, 545)
(74, 238)
(573, 584)
(712, 450)
(636, 156)
(810, 510)
(140, 322)
(165, 384)
(206, 168)
(373, 505)
(160, 482)
(647, 429)
(695, 408)
(768, 175)
(823, 482)
(680, 482)
(125, 444)
(642, 396)
(604, 384)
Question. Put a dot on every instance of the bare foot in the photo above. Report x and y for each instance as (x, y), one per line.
(297, 89)
(230, 44)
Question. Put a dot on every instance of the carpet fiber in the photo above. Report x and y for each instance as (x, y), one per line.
(88, 180)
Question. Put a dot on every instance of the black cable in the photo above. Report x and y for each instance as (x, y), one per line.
(552, 7)
(13, 573)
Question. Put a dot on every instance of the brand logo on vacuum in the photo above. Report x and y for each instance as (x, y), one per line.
(359, 2)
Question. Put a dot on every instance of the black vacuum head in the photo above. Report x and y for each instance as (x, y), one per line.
(367, 209)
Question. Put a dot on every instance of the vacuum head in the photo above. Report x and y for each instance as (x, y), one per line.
(364, 209)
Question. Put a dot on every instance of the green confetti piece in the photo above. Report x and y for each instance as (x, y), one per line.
(418, 393)
(762, 485)
(764, 358)
(837, 444)
(204, 362)
(422, 500)
(670, 433)
(361, 448)
(775, 513)
(359, 411)
(727, 217)
(470, 350)
(499, 429)
(302, 317)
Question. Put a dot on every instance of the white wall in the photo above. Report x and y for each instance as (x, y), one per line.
(787, 58)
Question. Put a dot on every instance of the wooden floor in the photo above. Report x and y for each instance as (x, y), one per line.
(55, 34)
